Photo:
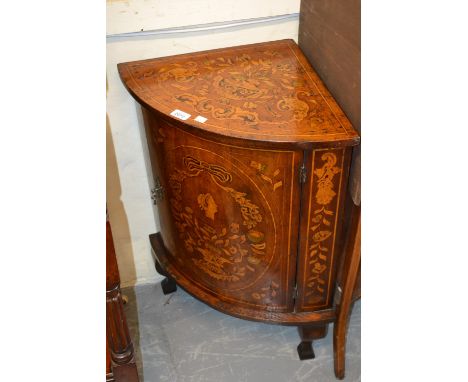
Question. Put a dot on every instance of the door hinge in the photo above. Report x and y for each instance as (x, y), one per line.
(157, 193)
(302, 174)
(338, 294)
(295, 293)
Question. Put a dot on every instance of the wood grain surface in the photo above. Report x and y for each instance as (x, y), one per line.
(229, 215)
(284, 318)
(251, 198)
(265, 92)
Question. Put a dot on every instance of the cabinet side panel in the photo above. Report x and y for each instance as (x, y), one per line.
(321, 225)
(233, 215)
(158, 167)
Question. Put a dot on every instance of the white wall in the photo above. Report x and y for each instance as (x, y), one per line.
(131, 212)
(136, 15)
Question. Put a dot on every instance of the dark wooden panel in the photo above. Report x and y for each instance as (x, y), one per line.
(330, 37)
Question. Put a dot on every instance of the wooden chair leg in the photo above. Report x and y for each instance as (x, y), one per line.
(120, 352)
(343, 308)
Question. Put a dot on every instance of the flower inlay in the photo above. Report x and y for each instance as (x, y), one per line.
(224, 254)
(260, 88)
(322, 226)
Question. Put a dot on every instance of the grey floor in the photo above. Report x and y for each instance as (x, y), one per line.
(180, 339)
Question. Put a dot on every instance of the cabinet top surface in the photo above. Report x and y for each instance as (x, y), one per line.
(266, 92)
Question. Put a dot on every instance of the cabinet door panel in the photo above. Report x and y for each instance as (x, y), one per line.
(321, 222)
(233, 216)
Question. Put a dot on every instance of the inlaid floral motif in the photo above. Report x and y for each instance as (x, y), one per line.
(224, 254)
(269, 292)
(266, 87)
(322, 227)
(181, 73)
(261, 169)
(298, 107)
(325, 193)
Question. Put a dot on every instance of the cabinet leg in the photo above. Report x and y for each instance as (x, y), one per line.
(339, 347)
(159, 268)
(168, 285)
(305, 350)
(343, 308)
(308, 334)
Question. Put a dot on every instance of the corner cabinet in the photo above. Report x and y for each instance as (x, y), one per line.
(250, 156)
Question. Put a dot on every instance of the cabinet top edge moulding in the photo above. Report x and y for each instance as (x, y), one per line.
(261, 95)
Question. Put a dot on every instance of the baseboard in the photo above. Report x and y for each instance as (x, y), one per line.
(143, 281)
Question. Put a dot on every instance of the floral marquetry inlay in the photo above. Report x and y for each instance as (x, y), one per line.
(252, 153)
(266, 91)
(261, 169)
(227, 253)
(325, 186)
(269, 292)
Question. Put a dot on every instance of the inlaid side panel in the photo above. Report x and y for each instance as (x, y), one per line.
(232, 216)
(320, 222)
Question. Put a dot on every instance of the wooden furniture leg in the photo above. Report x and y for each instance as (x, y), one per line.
(343, 307)
(168, 284)
(308, 334)
(121, 365)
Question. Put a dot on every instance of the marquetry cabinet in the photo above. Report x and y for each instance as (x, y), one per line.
(250, 156)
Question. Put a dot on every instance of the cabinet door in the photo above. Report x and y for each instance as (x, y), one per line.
(321, 223)
(232, 216)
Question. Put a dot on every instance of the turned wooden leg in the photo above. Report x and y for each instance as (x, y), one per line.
(308, 334)
(343, 308)
(119, 346)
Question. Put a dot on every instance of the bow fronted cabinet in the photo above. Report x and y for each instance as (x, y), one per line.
(250, 157)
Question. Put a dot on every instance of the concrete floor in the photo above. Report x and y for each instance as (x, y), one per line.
(179, 339)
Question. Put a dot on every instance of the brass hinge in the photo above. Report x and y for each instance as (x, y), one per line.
(157, 192)
(338, 294)
(302, 174)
